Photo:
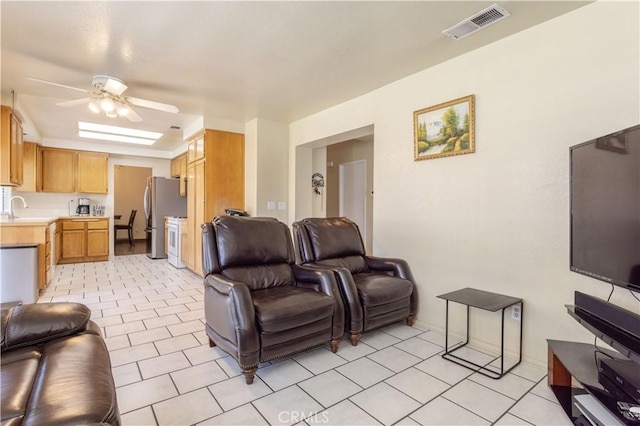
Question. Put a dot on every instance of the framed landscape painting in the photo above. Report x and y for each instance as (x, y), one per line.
(445, 129)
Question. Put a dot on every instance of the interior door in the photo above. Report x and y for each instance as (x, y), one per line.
(353, 187)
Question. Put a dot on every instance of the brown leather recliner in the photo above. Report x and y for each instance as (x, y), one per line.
(375, 291)
(55, 367)
(258, 304)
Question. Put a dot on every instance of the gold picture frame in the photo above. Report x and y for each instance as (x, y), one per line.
(445, 129)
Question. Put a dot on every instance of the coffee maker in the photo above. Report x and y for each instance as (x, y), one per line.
(83, 208)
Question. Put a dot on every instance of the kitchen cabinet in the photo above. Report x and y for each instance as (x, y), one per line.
(215, 179)
(50, 250)
(179, 170)
(183, 175)
(29, 168)
(92, 172)
(98, 240)
(68, 171)
(58, 243)
(11, 147)
(199, 213)
(39, 233)
(189, 260)
(84, 240)
(184, 241)
(175, 167)
(196, 147)
(58, 168)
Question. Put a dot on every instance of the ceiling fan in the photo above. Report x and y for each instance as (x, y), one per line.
(107, 98)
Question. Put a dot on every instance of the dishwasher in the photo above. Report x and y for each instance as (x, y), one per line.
(19, 273)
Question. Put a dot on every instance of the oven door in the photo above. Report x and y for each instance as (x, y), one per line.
(173, 238)
(173, 245)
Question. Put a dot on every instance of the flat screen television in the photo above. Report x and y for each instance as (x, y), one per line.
(605, 208)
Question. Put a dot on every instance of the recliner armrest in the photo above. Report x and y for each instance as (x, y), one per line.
(220, 284)
(320, 279)
(324, 281)
(37, 323)
(399, 267)
(243, 318)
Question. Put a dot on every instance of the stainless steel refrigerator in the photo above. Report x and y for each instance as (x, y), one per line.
(161, 198)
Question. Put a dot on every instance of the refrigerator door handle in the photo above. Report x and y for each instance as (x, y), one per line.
(147, 211)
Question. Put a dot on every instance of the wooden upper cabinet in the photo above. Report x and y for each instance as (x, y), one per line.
(195, 148)
(58, 170)
(11, 148)
(183, 175)
(65, 170)
(191, 151)
(29, 168)
(92, 172)
(200, 149)
(179, 169)
(175, 167)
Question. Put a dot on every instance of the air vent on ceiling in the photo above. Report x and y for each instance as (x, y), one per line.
(480, 20)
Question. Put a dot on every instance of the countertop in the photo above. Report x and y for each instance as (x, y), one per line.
(28, 221)
(44, 221)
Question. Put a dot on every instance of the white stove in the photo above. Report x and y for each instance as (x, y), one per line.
(173, 245)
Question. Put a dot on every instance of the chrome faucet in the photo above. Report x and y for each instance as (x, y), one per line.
(24, 205)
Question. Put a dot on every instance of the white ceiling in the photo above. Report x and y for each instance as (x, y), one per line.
(228, 61)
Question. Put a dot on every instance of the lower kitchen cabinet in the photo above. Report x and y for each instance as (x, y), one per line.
(84, 240)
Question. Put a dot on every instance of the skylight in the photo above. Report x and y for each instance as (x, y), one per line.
(117, 134)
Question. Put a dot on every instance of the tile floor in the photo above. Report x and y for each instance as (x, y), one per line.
(151, 315)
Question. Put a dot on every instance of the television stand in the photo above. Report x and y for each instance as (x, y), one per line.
(572, 370)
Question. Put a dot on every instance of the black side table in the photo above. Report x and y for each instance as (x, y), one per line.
(489, 302)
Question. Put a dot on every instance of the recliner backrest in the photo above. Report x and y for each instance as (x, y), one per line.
(331, 241)
(255, 251)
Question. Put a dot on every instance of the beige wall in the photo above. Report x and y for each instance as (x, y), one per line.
(266, 174)
(129, 185)
(498, 219)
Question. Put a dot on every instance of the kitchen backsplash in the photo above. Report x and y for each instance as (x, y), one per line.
(43, 204)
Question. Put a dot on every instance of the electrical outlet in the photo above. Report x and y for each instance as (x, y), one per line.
(516, 313)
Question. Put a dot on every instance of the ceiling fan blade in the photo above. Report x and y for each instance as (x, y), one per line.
(74, 102)
(58, 84)
(114, 86)
(152, 105)
(133, 116)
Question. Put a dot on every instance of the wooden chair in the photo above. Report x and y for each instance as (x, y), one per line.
(128, 227)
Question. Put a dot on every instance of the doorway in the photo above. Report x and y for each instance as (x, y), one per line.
(343, 159)
(129, 184)
(353, 189)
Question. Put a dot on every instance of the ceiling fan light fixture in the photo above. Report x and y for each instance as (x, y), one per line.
(94, 106)
(107, 105)
(123, 110)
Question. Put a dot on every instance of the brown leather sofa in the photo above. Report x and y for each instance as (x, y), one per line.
(376, 291)
(55, 367)
(258, 304)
